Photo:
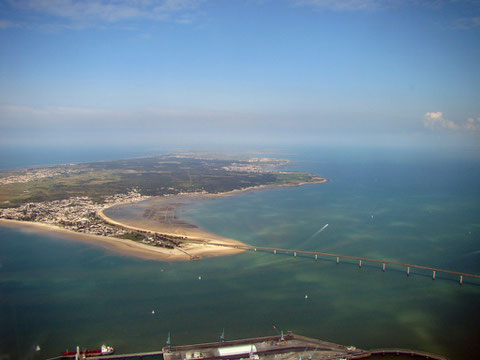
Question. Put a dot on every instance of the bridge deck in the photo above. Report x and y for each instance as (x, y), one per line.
(359, 258)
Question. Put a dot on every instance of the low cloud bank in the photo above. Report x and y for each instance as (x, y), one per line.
(436, 120)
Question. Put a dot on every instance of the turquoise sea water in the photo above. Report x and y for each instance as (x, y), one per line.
(426, 210)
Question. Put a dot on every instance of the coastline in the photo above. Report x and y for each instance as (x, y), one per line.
(195, 242)
(197, 248)
(122, 246)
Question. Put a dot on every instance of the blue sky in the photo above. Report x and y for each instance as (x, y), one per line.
(251, 71)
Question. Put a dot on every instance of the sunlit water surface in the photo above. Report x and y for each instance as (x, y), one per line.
(58, 293)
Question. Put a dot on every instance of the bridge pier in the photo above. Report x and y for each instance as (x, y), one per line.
(384, 262)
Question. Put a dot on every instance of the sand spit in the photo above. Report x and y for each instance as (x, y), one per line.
(123, 246)
(194, 246)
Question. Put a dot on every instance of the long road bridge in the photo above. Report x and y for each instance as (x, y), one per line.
(316, 254)
(361, 260)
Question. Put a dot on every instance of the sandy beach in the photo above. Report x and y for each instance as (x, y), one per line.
(127, 247)
(197, 243)
(164, 218)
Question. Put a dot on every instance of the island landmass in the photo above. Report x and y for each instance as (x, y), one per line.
(71, 200)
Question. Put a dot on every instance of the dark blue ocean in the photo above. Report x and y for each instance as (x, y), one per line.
(409, 205)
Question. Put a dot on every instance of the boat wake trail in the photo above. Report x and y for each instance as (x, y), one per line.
(319, 231)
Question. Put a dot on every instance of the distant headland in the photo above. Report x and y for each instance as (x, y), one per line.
(72, 199)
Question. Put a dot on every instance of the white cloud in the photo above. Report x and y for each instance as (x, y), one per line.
(26, 117)
(343, 5)
(105, 12)
(366, 5)
(436, 120)
(79, 125)
(472, 124)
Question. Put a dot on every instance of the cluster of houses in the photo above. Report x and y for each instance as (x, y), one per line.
(76, 213)
(80, 214)
(27, 175)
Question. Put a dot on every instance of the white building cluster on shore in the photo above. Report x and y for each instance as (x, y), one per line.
(28, 175)
(77, 213)
(256, 165)
(251, 168)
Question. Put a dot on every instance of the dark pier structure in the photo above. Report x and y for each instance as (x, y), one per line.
(289, 346)
(282, 347)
